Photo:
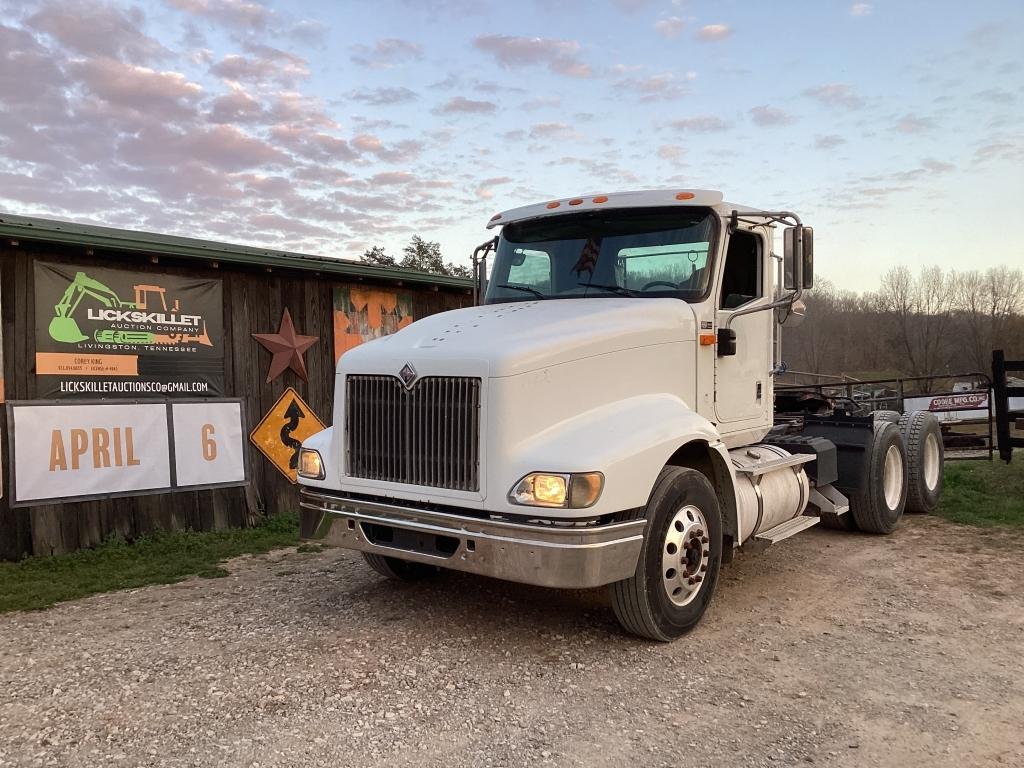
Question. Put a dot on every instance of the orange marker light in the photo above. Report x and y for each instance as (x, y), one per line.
(707, 339)
(495, 217)
(685, 196)
(553, 205)
(601, 199)
(577, 201)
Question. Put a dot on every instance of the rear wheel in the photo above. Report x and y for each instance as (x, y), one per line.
(843, 522)
(893, 416)
(922, 437)
(678, 565)
(877, 505)
(398, 569)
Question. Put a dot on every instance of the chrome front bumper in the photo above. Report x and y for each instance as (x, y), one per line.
(531, 553)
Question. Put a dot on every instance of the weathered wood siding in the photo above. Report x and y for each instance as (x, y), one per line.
(254, 299)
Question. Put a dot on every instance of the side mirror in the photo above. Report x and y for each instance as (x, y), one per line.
(798, 257)
(792, 315)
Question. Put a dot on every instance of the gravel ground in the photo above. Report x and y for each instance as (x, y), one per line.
(829, 648)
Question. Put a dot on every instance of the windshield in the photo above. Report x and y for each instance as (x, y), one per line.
(637, 253)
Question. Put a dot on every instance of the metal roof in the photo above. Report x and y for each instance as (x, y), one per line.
(647, 198)
(131, 241)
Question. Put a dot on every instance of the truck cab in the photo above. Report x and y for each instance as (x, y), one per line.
(603, 416)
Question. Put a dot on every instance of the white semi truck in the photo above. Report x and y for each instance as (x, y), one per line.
(605, 415)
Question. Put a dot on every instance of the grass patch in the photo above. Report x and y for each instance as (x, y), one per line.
(984, 493)
(160, 558)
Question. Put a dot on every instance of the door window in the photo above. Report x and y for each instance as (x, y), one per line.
(741, 279)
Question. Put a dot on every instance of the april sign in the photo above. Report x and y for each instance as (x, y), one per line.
(109, 332)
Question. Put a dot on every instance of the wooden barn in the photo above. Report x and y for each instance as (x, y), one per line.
(182, 335)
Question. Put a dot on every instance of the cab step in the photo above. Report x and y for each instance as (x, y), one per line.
(787, 529)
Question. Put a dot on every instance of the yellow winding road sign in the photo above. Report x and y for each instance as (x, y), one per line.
(281, 432)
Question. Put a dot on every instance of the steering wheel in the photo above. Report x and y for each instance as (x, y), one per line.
(659, 282)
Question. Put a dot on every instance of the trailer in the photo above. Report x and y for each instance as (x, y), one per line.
(605, 415)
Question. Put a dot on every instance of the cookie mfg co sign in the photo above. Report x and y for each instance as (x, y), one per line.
(110, 332)
(85, 451)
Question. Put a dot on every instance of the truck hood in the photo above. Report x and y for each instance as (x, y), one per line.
(519, 337)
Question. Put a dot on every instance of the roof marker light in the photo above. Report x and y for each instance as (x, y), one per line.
(685, 196)
(601, 199)
(495, 217)
(576, 201)
(553, 205)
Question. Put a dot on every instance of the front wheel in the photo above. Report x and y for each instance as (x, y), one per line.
(678, 565)
(397, 569)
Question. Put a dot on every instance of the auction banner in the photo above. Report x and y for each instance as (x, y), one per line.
(63, 452)
(109, 332)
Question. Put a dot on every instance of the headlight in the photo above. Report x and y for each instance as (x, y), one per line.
(310, 464)
(577, 490)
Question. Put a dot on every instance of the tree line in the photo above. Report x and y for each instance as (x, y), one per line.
(419, 255)
(932, 323)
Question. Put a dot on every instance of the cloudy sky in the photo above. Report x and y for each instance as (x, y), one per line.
(894, 127)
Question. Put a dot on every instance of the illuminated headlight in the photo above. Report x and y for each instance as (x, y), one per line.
(310, 464)
(577, 490)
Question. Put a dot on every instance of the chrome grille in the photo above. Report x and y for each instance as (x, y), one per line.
(426, 435)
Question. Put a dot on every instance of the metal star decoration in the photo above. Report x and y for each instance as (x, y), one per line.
(287, 347)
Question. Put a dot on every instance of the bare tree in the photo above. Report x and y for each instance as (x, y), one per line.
(921, 312)
(988, 304)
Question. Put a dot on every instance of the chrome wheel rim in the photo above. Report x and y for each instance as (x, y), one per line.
(892, 477)
(685, 554)
(932, 464)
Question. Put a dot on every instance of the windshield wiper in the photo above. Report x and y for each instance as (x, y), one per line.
(613, 288)
(525, 289)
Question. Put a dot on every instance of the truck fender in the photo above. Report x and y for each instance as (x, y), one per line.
(712, 460)
(629, 440)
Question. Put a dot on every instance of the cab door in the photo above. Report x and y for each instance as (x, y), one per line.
(743, 386)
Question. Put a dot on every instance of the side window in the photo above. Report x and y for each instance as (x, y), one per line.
(680, 265)
(532, 268)
(741, 280)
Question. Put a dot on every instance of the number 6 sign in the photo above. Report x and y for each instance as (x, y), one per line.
(208, 443)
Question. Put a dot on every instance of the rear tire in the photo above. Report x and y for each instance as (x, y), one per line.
(922, 437)
(878, 504)
(891, 416)
(678, 565)
(843, 522)
(397, 569)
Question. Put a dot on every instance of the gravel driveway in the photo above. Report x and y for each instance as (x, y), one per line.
(830, 648)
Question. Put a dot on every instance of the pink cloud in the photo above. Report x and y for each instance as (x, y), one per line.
(386, 53)
(714, 32)
(144, 90)
(460, 104)
(767, 117)
(240, 14)
(559, 56)
(266, 64)
(670, 28)
(97, 29)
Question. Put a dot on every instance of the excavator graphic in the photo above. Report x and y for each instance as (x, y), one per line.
(64, 328)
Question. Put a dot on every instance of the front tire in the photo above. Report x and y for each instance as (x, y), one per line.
(679, 561)
(397, 569)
